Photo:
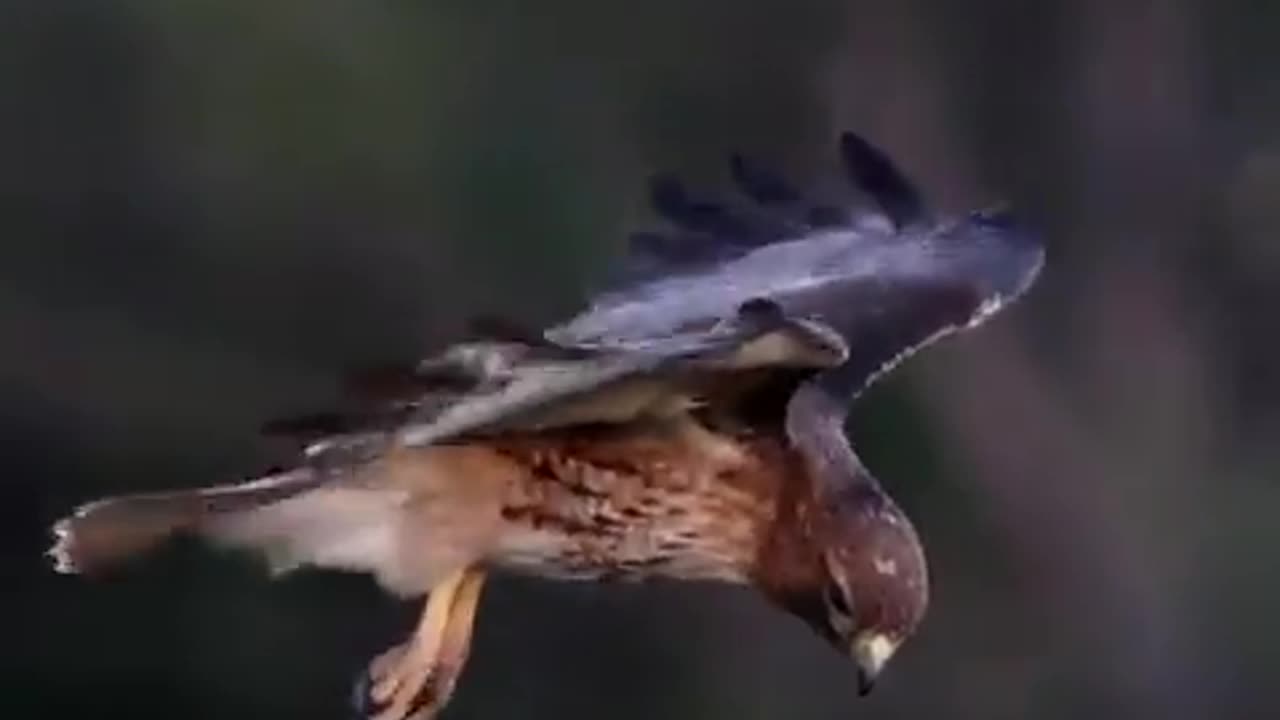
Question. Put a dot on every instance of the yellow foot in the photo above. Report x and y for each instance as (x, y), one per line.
(403, 684)
(415, 680)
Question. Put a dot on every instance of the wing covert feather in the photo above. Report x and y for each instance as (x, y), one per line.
(537, 390)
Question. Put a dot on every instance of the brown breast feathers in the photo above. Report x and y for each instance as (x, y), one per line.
(671, 499)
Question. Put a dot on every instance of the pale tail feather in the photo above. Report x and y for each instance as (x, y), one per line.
(103, 533)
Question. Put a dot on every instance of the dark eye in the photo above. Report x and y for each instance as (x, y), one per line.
(837, 601)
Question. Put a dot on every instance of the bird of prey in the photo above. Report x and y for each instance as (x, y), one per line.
(687, 424)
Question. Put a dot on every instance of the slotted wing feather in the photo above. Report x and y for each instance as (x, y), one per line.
(871, 170)
(709, 232)
(721, 257)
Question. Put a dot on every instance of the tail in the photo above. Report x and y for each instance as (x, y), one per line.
(102, 534)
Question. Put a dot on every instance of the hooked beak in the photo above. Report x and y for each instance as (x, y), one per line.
(870, 653)
(866, 682)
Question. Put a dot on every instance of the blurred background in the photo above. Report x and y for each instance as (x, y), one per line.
(209, 209)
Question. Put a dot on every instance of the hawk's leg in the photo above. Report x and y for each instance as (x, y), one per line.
(416, 678)
(455, 646)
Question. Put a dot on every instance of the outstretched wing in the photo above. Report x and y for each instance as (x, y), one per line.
(778, 282)
(886, 282)
(489, 387)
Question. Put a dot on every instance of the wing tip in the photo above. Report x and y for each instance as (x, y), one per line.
(874, 172)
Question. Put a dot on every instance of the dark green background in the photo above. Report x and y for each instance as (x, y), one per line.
(209, 208)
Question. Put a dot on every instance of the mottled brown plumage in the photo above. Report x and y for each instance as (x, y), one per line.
(681, 501)
(662, 499)
(689, 425)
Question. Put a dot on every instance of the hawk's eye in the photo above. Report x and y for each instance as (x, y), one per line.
(837, 601)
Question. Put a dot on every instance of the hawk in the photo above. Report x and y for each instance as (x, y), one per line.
(687, 424)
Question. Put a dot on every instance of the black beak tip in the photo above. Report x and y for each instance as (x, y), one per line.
(866, 683)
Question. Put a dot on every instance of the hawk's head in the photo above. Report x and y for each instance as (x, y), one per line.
(876, 586)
